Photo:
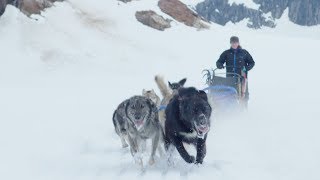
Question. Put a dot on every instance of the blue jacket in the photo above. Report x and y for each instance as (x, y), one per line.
(236, 60)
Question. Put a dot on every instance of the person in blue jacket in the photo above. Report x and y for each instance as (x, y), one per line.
(237, 61)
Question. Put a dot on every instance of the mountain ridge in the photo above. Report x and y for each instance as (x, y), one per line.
(304, 13)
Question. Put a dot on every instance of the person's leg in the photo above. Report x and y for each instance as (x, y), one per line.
(246, 97)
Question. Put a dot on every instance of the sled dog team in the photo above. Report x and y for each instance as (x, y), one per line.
(182, 116)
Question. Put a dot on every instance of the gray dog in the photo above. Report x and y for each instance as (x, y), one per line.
(135, 121)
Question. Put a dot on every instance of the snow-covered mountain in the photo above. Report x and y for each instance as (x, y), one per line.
(260, 12)
(63, 73)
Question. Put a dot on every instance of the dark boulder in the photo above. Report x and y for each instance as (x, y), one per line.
(125, 1)
(180, 12)
(29, 7)
(152, 19)
(3, 4)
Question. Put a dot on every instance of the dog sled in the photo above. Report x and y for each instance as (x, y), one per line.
(226, 91)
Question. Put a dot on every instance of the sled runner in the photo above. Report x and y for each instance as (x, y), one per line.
(225, 90)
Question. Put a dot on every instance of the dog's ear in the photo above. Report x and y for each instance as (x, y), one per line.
(144, 91)
(203, 95)
(152, 90)
(183, 81)
(170, 85)
(152, 105)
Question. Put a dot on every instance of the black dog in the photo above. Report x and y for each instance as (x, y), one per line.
(188, 120)
(176, 86)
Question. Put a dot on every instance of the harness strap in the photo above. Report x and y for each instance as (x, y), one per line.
(162, 107)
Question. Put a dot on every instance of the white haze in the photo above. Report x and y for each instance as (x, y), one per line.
(61, 78)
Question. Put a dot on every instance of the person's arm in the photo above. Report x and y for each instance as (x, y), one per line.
(221, 60)
(249, 61)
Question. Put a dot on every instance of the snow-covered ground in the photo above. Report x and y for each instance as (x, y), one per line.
(247, 3)
(61, 78)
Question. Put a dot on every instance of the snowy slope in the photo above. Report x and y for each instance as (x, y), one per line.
(61, 78)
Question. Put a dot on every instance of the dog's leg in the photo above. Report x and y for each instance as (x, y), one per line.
(155, 145)
(142, 145)
(161, 144)
(201, 150)
(138, 156)
(133, 145)
(182, 151)
(160, 150)
(170, 150)
(123, 141)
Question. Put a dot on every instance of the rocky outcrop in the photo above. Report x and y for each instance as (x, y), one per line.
(152, 19)
(180, 12)
(3, 4)
(276, 7)
(29, 7)
(302, 12)
(221, 12)
(125, 1)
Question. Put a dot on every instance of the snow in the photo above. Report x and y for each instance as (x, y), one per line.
(247, 3)
(62, 76)
(192, 3)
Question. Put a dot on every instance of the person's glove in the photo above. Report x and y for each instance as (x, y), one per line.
(220, 66)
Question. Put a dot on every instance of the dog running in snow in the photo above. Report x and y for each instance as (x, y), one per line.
(168, 93)
(188, 121)
(135, 121)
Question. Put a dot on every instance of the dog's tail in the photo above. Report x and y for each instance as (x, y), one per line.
(164, 89)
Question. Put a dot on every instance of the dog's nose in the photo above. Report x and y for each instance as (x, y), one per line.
(202, 119)
(137, 117)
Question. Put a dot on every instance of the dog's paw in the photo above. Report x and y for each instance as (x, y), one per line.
(170, 162)
(191, 159)
(151, 161)
(138, 159)
(139, 162)
(125, 145)
(199, 161)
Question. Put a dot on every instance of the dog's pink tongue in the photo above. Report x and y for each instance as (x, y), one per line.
(139, 123)
(204, 129)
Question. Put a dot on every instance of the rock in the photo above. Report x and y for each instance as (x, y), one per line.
(152, 19)
(125, 1)
(3, 4)
(221, 12)
(29, 7)
(301, 12)
(180, 12)
(276, 7)
(306, 12)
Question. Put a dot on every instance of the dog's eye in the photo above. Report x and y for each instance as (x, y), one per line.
(141, 106)
(133, 107)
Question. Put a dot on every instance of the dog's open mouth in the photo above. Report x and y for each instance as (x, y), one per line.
(139, 123)
(202, 130)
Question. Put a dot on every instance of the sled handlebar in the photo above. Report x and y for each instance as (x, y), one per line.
(212, 72)
(228, 67)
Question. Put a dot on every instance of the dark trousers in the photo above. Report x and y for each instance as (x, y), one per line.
(246, 96)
